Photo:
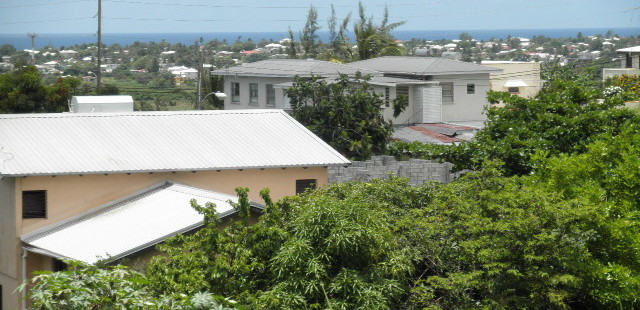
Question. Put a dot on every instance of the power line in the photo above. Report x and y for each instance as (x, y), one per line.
(40, 4)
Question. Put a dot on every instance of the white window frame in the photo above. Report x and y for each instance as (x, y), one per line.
(271, 95)
(447, 92)
(253, 93)
(235, 92)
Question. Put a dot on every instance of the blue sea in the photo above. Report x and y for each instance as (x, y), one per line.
(22, 41)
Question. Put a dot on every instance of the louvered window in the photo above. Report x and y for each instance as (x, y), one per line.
(34, 204)
(303, 185)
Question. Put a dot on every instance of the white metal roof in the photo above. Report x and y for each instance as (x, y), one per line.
(86, 143)
(131, 224)
(633, 49)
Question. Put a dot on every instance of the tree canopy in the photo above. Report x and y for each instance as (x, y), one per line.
(345, 113)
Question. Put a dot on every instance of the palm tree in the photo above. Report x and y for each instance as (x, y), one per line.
(374, 41)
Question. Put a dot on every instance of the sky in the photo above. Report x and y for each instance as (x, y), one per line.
(205, 16)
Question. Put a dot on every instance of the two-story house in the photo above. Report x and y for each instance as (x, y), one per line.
(107, 186)
(437, 89)
(456, 91)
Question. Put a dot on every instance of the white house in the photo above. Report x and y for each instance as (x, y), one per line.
(455, 91)
(438, 90)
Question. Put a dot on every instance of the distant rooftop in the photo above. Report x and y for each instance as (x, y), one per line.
(421, 66)
(293, 67)
(633, 49)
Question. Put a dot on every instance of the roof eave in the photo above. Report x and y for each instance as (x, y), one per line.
(18, 175)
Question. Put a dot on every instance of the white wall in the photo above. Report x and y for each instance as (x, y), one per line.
(465, 107)
(244, 92)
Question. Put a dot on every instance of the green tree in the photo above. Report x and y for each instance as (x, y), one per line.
(292, 46)
(375, 40)
(340, 46)
(345, 113)
(564, 118)
(22, 91)
(309, 38)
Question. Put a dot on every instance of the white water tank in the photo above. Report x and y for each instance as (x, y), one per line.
(101, 104)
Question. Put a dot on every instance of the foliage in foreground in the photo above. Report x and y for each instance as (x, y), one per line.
(90, 287)
(565, 237)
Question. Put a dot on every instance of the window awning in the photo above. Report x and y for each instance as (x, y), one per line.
(128, 225)
(515, 83)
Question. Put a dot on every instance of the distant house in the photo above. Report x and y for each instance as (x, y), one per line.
(107, 186)
(451, 90)
(68, 53)
(262, 84)
(184, 72)
(437, 89)
(629, 63)
(517, 77)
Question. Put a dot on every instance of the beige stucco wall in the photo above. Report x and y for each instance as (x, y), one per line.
(528, 72)
(70, 195)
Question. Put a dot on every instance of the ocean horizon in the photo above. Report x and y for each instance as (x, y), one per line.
(22, 41)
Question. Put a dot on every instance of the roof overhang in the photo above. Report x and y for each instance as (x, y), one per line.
(127, 225)
(515, 83)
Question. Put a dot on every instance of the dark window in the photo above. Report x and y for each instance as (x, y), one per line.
(386, 96)
(271, 95)
(629, 61)
(514, 90)
(253, 93)
(447, 91)
(59, 265)
(235, 92)
(34, 204)
(303, 185)
(471, 88)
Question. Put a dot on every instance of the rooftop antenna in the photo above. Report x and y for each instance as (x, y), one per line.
(33, 47)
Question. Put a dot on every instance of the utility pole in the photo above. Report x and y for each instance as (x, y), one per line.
(33, 47)
(200, 73)
(99, 75)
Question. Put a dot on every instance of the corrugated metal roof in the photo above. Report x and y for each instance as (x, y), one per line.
(293, 67)
(84, 143)
(421, 65)
(124, 227)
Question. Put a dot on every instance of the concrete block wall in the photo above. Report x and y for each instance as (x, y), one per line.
(418, 171)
